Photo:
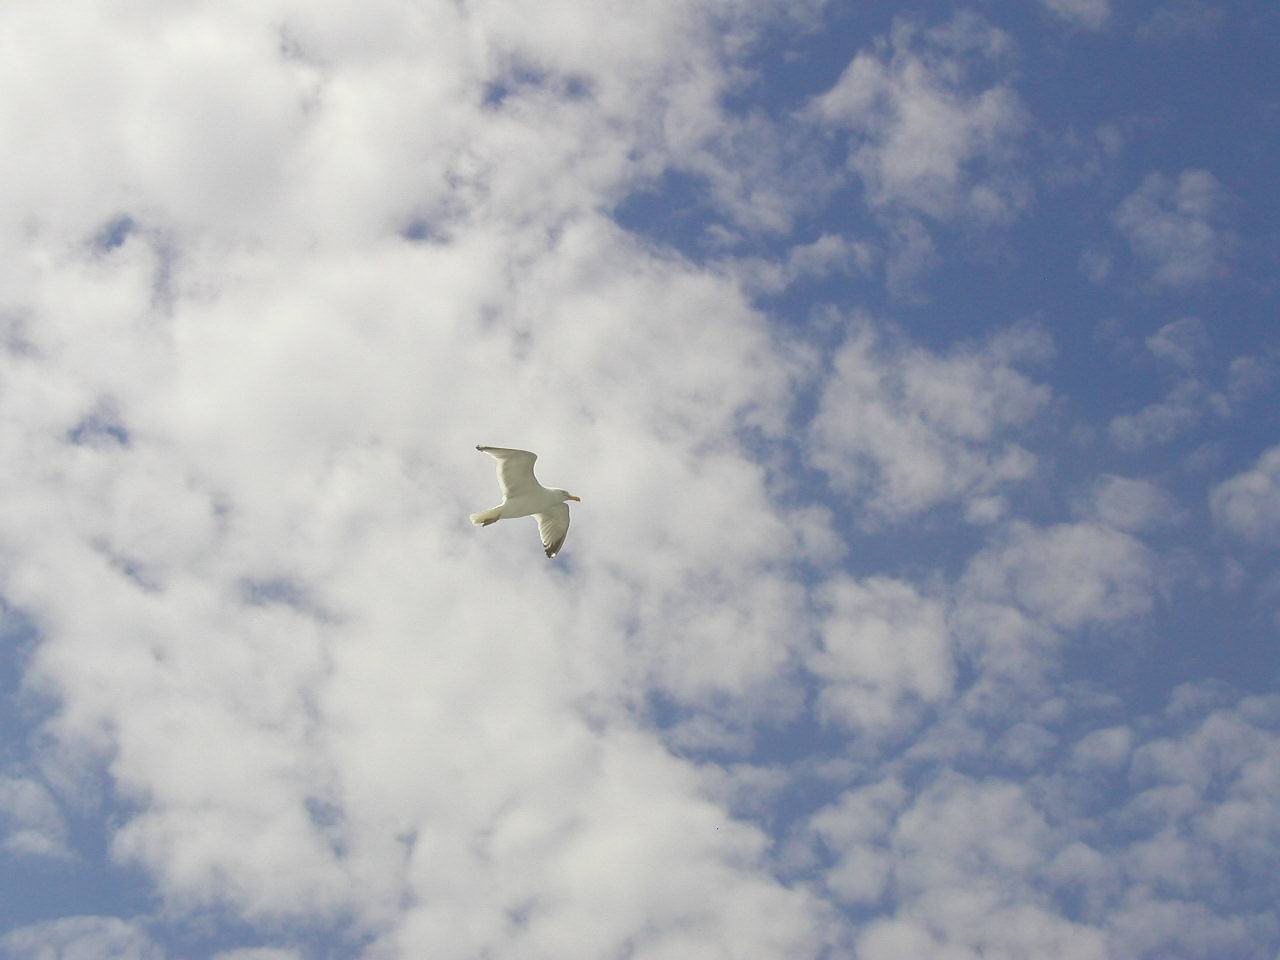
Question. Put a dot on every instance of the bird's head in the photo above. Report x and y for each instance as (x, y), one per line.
(566, 495)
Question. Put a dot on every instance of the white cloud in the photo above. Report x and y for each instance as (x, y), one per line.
(1096, 265)
(1202, 814)
(1163, 421)
(243, 428)
(1025, 746)
(1190, 400)
(1175, 227)
(262, 733)
(33, 824)
(1108, 748)
(550, 855)
(911, 255)
(957, 833)
(81, 938)
(1248, 504)
(273, 124)
(904, 429)
(1019, 605)
(1126, 503)
(1125, 844)
(828, 255)
(1068, 575)
(884, 654)
(1075, 158)
(1181, 19)
(922, 139)
(854, 829)
(1249, 376)
(761, 173)
(278, 268)
(1182, 342)
(965, 856)
(1090, 14)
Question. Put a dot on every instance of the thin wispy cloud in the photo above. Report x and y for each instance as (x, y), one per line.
(1181, 20)
(1088, 14)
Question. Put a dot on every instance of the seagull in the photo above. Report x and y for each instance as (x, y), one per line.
(524, 496)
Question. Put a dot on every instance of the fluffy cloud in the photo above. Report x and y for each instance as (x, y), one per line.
(1068, 575)
(1181, 19)
(961, 861)
(81, 938)
(276, 604)
(1090, 14)
(911, 255)
(829, 255)
(1248, 504)
(1105, 749)
(34, 826)
(1125, 503)
(1182, 342)
(297, 142)
(903, 429)
(1123, 845)
(922, 139)
(1183, 346)
(1160, 422)
(276, 270)
(1019, 607)
(854, 830)
(244, 373)
(1202, 811)
(1175, 227)
(1249, 376)
(884, 653)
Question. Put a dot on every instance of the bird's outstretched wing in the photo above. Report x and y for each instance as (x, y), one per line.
(515, 470)
(553, 527)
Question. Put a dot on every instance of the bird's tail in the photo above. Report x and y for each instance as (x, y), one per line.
(487, 517)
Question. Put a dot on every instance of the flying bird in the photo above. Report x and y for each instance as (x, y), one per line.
(524, 496)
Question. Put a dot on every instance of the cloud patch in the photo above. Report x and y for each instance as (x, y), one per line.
(903, 429)
(1088, 14)
(1181, 20)
(82, 938)
(1176, 229)
(1123, 844)
(33, 823)
(884, 654)
(923, 139)
(1248, 504)
(1130, 504)
(1068, 575)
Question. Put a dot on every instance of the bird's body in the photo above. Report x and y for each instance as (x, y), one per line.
(528, 505)
(524, 496)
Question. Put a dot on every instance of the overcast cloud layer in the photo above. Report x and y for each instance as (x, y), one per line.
(918, 374)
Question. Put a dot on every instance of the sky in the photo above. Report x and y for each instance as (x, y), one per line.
(917, 366)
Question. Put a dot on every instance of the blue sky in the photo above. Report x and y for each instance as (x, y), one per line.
(916, 365)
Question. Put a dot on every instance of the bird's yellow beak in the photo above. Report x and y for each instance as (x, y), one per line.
(572, 497)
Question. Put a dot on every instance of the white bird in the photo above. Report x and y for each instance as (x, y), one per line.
(524, 496)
